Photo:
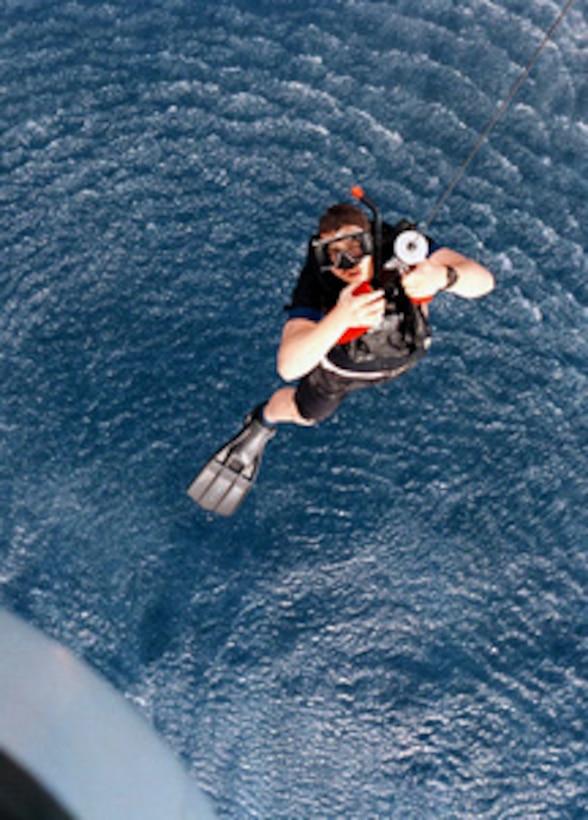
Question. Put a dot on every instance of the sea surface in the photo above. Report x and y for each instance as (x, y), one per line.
(395, 624)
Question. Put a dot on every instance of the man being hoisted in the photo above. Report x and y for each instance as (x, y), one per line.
(358, 317)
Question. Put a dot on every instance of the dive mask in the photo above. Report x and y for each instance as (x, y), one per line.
(356, 245)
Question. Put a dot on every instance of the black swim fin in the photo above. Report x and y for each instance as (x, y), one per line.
(225, 481)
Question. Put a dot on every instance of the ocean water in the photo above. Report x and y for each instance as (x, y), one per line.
(395, 624)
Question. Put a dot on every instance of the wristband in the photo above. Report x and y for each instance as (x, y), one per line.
(452, 277)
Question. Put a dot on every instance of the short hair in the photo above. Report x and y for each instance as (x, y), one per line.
(343, 214)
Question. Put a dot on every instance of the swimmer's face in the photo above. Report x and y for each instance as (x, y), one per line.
(346, 250)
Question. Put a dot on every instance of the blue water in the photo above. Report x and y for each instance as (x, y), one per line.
(395, 624)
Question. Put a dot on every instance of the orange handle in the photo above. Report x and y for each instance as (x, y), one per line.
(355, 332)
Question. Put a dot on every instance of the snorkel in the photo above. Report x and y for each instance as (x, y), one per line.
(358, 192)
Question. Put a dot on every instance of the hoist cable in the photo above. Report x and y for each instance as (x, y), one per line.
(501, 109)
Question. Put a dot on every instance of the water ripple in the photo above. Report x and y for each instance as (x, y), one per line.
(395, 626)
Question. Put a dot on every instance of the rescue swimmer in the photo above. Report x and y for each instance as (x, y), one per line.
(358, 317)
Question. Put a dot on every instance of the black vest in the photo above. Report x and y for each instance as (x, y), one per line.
(398, 343)
(403, 337)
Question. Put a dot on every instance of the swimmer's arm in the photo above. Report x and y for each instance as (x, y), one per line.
(430, 277)
(304, 342)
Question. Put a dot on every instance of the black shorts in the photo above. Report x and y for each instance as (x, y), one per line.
(320, 393)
